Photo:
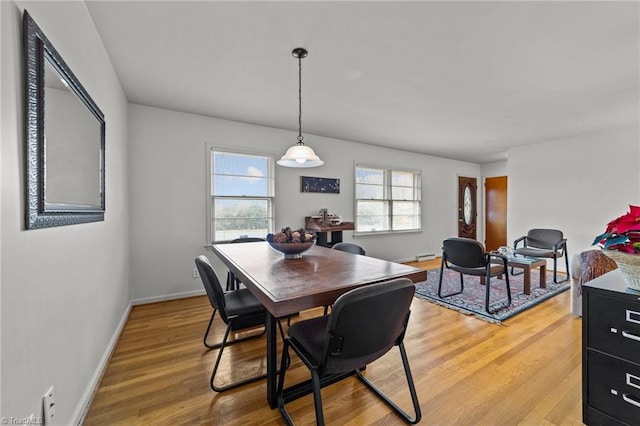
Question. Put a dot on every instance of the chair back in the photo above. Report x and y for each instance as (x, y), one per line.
(211, 285)
(464, 252)
(365, 323)
(544, 238)
(247, 240)
(349, 248)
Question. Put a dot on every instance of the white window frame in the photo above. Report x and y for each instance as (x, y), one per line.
(388, 198)
(210, 214)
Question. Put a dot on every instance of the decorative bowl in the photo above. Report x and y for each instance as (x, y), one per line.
(629, 265)
(292, 250)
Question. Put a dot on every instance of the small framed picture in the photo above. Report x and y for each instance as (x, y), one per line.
(318, 184)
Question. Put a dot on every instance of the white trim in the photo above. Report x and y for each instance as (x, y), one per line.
(80, 412)
(166, 297)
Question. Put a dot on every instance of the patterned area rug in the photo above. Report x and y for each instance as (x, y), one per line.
(471, 301)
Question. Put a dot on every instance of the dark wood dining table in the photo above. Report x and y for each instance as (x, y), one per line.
(287, 286)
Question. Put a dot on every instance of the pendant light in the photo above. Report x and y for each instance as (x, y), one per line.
(300, 155)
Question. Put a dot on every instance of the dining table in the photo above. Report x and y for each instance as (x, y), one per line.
(288, 286)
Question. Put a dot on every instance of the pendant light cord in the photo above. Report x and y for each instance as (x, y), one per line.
(300, 137)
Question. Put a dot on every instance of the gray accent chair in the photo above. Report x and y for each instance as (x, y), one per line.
(468, 257)
(544, 243)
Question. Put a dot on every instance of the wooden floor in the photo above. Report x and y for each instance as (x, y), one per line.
(467, 372)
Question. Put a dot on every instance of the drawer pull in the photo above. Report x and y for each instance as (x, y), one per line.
(631, 336)
(633, 316)
(630, 400)
(633, 381)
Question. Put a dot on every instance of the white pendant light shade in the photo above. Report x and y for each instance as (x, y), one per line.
(300, 156)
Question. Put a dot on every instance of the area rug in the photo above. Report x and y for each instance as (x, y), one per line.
(471, 301)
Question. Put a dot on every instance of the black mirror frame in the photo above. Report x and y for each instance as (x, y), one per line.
(37, 215)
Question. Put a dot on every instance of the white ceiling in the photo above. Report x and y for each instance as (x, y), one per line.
(463, 80)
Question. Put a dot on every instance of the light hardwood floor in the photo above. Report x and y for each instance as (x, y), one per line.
(467, 372)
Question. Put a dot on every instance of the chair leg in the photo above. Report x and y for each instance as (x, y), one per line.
(555, 268)
(440, 282)
(317, 397)
(218, 345)
(487, 298)
(412, 390)
(217, 364)
(284, 364)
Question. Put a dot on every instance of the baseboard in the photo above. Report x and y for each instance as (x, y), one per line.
(79, 414)
(165, 297)
(405, 260)
(426, 256)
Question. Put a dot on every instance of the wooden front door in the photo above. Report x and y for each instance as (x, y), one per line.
(467, 203)
(495, 189)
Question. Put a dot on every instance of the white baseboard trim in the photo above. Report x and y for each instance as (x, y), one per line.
(79, 414)
(408, 259)
(165, 297)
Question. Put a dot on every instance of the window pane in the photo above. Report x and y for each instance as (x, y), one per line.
(369, 192)
(405, 222)
(240, 174)
(405, 208)
(406, 215)
(237, 186)
(402, 193)
(229, 163)
(370, 176)
(372, 216)
(402, 178)
(233, 218)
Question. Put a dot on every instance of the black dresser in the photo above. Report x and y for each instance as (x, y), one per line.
(610, 352)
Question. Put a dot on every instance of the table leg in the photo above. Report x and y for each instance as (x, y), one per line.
(272, 376)
(527, 279)
(543, 276)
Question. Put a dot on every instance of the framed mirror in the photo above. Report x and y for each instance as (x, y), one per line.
(65, 134)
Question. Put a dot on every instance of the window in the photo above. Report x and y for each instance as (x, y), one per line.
(387, 200)
(241, 195)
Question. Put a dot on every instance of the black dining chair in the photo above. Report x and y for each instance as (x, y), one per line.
(233, 283)
(544, 243)
(365, 324)
(349, 248)
(239, 310)
(468, 257)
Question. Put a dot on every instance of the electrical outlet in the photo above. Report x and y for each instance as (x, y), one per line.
(49, 405)
(195, 273)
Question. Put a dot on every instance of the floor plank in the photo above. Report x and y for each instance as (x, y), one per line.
(467, 372)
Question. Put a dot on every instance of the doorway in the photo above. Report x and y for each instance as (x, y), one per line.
(495, 190)
(467, 207)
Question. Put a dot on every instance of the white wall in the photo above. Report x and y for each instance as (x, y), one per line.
(65, 289)
(576, 184)
(168, 196)
(498, 168)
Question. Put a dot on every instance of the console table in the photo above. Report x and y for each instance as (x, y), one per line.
(324, 229)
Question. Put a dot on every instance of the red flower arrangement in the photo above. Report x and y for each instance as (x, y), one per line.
(622, 233)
